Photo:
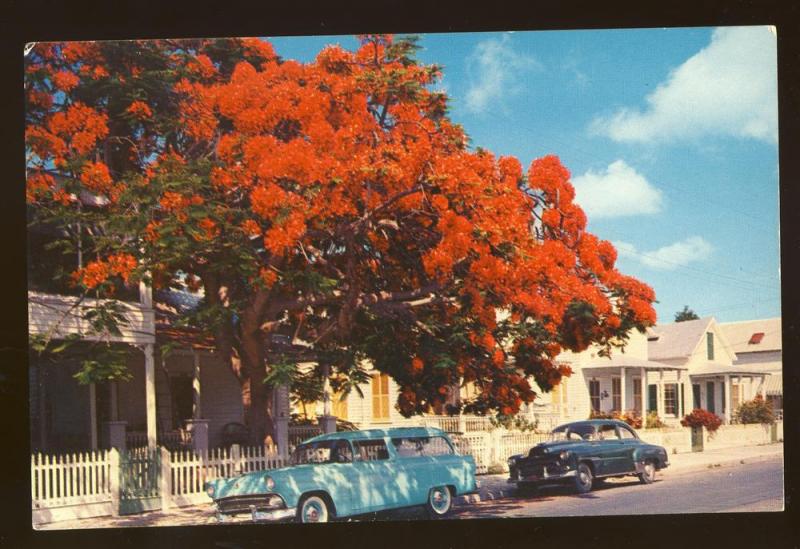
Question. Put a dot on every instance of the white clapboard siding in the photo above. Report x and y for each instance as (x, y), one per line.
(59, 316)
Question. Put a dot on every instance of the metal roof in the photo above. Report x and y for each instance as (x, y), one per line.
(740, 335)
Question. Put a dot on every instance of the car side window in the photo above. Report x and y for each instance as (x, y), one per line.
(407, 447)
(607, 432)
(436, 446)
(371, 450)
(342, 453)
(625, 433)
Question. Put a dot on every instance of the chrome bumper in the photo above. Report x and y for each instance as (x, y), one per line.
(545, 477)
(257, 516)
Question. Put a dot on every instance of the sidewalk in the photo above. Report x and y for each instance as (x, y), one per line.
(495, 486)
(491, 487)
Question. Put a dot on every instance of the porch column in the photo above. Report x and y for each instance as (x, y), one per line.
(282, 419)
(150, 393)
(727, 383)
(622, 392)
(93, 415)
(327, 421)
(196, 411)
(660, 394)
(645, 394)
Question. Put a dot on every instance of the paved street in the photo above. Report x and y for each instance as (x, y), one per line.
(748, 487)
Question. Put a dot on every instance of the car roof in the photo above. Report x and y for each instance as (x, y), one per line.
(593, 422)
(392, 432)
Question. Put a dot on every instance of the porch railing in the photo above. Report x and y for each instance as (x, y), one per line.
(174, 440)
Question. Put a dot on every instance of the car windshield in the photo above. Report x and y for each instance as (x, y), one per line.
(327, 451)
(579, 431)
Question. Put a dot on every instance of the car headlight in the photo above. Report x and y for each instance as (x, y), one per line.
(269, 483)
(512, 461)
(210, 490)
(564, 455)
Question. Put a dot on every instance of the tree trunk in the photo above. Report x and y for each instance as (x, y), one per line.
(256, 395)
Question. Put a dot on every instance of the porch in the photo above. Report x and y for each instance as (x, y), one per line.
(625, 384)
(720, 389)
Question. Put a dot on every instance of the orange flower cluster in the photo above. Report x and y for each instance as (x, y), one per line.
(96, 178)
(79, 125)
(97, 272)
(140, 110)
(65, 80)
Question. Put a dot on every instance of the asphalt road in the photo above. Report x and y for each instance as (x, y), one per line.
(748, 487)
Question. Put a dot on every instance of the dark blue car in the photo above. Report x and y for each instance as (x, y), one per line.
(582, 452)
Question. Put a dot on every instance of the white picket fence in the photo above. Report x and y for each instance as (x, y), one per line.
(71, 485)
(86, 485)
(189, 470)
(493, 448)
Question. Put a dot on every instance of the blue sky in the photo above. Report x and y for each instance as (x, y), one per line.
(670, 136)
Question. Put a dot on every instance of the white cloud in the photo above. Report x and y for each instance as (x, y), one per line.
(727, 88)
(616, 192)
(670, 257)
(494, 70)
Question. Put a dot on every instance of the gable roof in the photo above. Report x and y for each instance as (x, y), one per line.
(676, 340)
(741, 335)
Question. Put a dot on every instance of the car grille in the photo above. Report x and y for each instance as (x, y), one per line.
(241, 504)
(536, 467)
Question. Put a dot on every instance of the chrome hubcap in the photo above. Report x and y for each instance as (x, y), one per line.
(440, 499)
(313, 512)
(584, 478)
(649, 470)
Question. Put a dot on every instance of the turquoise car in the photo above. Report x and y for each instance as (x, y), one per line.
(343, 474)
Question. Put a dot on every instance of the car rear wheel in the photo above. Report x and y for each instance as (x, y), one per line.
(583, 478)
(440, 501)
(313, 509)
(649, 473)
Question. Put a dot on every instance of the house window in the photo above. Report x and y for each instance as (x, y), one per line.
(380, 397)
(710, 345)
(671, 399)
(594, 394)
(637, 395)
(696, 395)
(652, 398)
(616, 393)
(710, 396)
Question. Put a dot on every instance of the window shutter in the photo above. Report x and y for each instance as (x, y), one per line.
(652, 398)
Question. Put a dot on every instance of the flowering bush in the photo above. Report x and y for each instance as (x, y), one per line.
(631, 417)
(702, 418)
(653, 421)
(755, 411)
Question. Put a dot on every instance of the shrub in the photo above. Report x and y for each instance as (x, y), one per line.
(653, 421)
(631, 418)
(702, 418)
(755, 411)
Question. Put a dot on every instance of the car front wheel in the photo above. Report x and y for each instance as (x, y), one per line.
(313, 509)
(649, 473)
(583, 478)
(440, 501)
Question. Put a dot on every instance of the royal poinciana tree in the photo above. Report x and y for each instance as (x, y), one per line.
(333, 201)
